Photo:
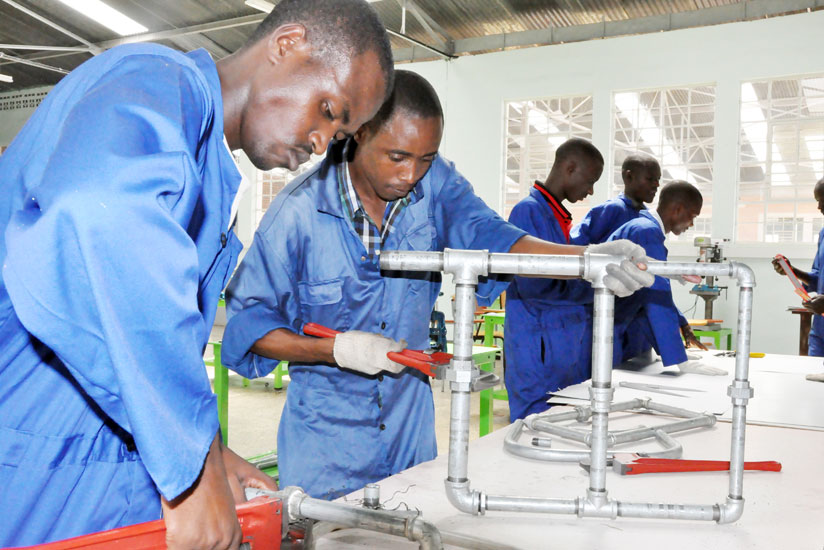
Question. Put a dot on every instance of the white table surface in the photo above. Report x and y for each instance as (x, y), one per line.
(783, 397)
(783, 510)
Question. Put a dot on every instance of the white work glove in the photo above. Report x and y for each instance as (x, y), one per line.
(625, 278)
(816, 377)
(366, 352)
(696, 367)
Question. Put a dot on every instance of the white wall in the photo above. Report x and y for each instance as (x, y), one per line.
(475, 88)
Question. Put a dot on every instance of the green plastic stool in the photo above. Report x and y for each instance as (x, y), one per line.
(716, 335)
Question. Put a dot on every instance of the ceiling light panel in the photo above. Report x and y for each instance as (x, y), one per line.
(106, 16)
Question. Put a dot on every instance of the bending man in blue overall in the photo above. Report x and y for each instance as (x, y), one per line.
(641, 175)
(651, 311)
(352, 416)
(116, 221)
(813, 281)
(548, 327)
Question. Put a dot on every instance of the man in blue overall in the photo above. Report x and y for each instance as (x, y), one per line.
(651, 311)
(814, 282)
(352, 416)
(116, 239)
(548, 327)
(641, 175)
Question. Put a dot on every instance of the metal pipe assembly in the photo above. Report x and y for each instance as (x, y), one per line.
(467, 266)
(299, 506)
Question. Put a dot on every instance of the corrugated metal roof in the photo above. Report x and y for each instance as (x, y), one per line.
(458, 19)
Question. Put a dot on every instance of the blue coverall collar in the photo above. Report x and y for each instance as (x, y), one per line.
(230, 171)
(629, 202)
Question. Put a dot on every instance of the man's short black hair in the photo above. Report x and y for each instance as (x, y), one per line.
(337, 29)
(412, 95)
(577, 147)
(680, 192)
(638, 162)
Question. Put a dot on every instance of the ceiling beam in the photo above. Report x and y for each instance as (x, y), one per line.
(14, 59)
(53, 25)
(420, 44)
(432, 28)
(72, 49)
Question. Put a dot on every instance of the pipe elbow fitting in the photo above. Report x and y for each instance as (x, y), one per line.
(425, 534)
(460, 496)
(743, 274)
(731, 510)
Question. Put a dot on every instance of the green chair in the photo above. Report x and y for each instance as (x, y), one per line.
(716, 335)
(221, 386)
(488, 397)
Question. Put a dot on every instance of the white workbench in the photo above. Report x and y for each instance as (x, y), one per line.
(782, 511)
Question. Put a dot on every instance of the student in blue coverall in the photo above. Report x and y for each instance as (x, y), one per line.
(352, 416)
(660, 321)
(641, 175)
(548, 327)
(116, 241)
(814, 282)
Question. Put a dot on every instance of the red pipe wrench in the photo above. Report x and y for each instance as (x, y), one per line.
(430, 363)
(631, 464)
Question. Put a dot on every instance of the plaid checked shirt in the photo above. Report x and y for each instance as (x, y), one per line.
(367, 229)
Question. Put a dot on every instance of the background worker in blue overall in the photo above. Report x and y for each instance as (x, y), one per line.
(115, 243)
(641, 175)
(352, 416)
(814, 282)
(548, 327)
(659, 323)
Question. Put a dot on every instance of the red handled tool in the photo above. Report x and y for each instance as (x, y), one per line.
(261, 521)
(799, 288)
(430, 363)
(631, 464)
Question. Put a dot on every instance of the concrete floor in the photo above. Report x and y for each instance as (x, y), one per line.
(254, 414)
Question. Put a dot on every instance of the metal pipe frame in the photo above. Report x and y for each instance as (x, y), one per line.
(467, 266)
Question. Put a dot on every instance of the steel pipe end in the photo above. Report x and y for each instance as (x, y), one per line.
(292, 497)
(463, 499)
(731, 510)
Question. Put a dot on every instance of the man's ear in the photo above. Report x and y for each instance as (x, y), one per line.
(362, 134)
(571, 165)
(286, 40)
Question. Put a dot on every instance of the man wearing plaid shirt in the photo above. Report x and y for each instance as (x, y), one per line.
(352, 416)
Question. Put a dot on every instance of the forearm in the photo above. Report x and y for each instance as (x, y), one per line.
(285, 345)
(532, 245)
(803, 276)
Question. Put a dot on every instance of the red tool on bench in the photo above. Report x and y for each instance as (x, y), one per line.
(261, 520)
(430, 363)
(632, 464)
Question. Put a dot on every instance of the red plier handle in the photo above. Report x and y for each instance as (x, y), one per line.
(427, 363)
(660, 465)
